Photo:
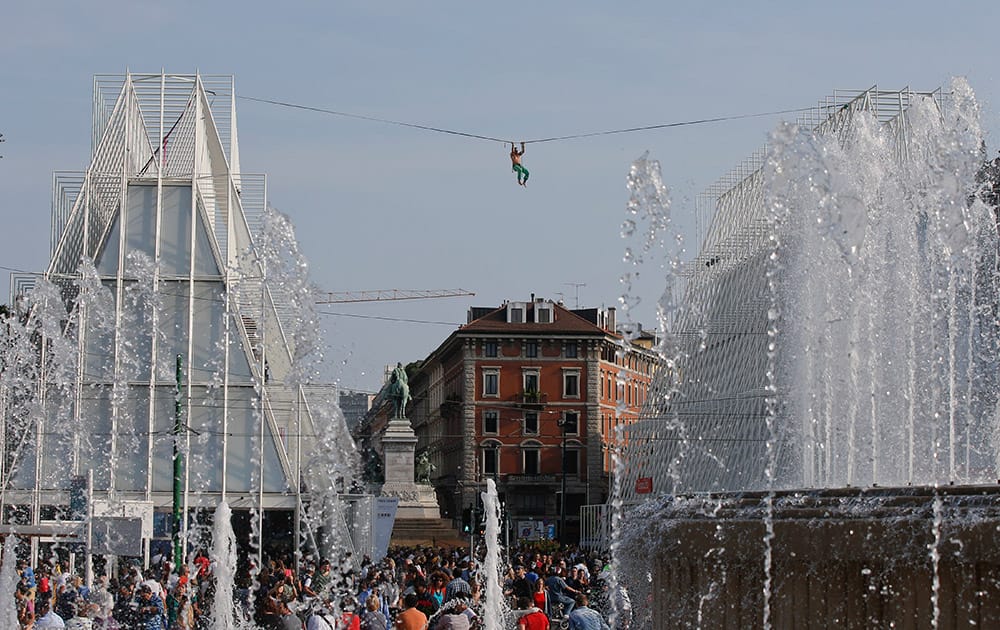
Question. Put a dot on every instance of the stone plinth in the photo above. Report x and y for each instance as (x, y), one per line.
(415, 500)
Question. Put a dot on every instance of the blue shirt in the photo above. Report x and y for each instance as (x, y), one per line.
(584, 618)
(29, 575)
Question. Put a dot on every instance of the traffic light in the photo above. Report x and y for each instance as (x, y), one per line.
(467, 520)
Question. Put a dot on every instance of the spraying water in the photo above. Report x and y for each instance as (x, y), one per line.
(224, 557)
(8, 584)
(496, 611)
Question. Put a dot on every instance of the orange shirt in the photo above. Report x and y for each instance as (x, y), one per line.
(411, 619)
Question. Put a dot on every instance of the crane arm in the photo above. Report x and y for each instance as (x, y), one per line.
(385, 295)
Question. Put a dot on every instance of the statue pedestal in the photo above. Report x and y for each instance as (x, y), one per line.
(415, 500)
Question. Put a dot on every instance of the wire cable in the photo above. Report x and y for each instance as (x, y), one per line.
(700, 121)
(372, 118)
(591, 134)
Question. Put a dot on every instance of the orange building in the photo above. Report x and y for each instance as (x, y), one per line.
(529, 393)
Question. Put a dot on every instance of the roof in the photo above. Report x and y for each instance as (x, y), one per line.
(564, 321)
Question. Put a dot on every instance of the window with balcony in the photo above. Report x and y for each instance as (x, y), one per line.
(491, 382)
(530, 382)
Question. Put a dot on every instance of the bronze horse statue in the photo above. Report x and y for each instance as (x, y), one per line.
(398, 391)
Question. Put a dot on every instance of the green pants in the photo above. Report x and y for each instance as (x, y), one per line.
(520, 170)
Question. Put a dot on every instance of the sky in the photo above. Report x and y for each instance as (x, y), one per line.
(381, 206)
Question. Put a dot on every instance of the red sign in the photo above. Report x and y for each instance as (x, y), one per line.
(643, 485)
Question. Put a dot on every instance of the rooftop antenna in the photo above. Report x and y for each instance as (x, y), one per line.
(576, 286)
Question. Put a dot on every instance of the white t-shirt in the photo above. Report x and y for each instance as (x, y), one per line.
(50, 620)
(319, 622)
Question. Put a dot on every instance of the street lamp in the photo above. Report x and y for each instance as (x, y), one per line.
(562, 507)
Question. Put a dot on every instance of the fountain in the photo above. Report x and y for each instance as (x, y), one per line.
(822, 438)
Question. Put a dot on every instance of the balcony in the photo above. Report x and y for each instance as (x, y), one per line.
(532, 400)
(546, 479)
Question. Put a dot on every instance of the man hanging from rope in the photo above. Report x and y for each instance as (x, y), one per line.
(515, 160)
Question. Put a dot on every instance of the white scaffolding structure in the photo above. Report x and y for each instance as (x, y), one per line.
(704, 424)
(164, 180)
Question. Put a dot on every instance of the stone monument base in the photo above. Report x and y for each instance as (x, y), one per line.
(416, 500)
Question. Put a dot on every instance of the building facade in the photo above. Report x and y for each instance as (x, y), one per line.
(528, 394)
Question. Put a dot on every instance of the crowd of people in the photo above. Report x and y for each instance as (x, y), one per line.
(413, 588)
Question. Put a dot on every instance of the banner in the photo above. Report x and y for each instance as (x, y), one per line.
(385, 518)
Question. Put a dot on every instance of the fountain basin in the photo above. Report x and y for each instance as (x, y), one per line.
(840, 558)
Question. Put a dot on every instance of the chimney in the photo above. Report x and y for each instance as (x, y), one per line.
(610, 322)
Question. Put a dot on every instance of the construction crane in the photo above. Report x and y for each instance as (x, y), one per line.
(386, 295)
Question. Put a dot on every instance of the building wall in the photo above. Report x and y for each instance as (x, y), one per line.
(462, 425)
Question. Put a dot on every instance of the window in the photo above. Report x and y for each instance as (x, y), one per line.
(531, 349)
(529, 502)
(571, 461)
(491, 382)
(571, 384)
(571, 422)
(543, 315)
(531, 423)
(529, 455)
(516, 315)
(570, 349)
(490, 349)
(491, 459)
(491, 421)
(531, 381)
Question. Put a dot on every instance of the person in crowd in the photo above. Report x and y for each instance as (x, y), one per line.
(411, 618)
(425, 603)
(150, 613)
(454, 617)
(457, 585)
(45, 617)
(81, 618)
(559, 591)
(585, 618)
(180, 608)
(373, 619)
(529, 617)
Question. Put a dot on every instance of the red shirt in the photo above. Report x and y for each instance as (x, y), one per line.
(350, 621)
(534, 621)
(539, 599)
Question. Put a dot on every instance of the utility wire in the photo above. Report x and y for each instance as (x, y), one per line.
(591, 134)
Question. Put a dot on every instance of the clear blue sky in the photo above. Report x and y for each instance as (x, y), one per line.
(380, 206)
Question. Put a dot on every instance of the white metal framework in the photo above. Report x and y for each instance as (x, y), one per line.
(705, 425)
(173, 228)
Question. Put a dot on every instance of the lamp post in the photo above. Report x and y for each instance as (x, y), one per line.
(562, 503)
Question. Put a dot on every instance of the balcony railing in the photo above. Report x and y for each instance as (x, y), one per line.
(532, 478)
(532, 400)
